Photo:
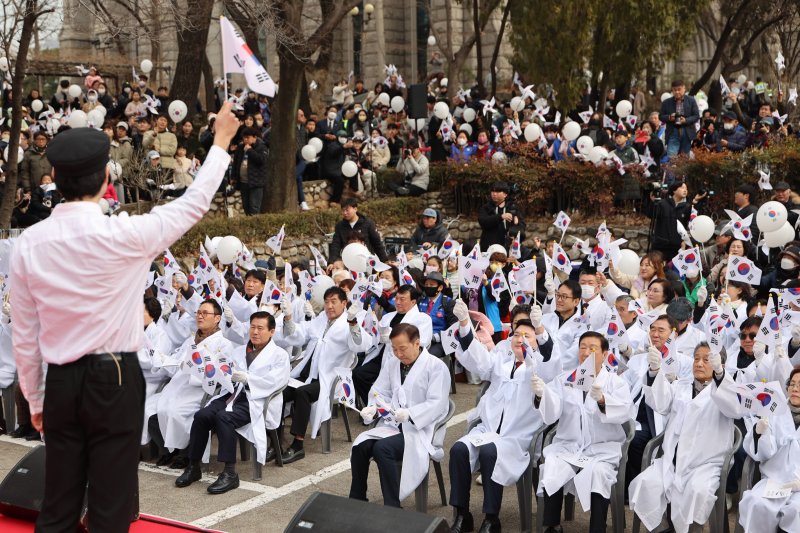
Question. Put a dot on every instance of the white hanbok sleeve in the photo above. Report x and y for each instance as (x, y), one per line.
(270, 378)
(550, 404)
(475, 358)
(436, 402)
(617, 396)
(726, 398)
(242, 309)
(660, 394)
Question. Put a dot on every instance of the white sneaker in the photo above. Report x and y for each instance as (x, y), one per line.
(304, 206)
(728, 502)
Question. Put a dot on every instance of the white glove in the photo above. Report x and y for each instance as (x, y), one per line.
(402, 415)
(7, 309)
(385, 333)
(725, 299)
(715, 360)
(795, 335)
(550, 286)
(308, 309)
(624, 350)
(537, 386)
(794, 485)
(762, 425)
(654, 357)
(671, 377)
(352, 312)
(166, 308)
(228, 314)
(286, 308)
(239, 376)
(759, 349)
(368, 413)
(180, 278)
(702, 296)
(536, 316)
(461, 310)
(596, 392)
(780, 351)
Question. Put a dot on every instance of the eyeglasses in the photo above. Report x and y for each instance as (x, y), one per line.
(564, 297)
(203, 314)
(743, 336)
(793, 385)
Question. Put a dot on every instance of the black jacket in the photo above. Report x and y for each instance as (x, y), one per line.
(495, 230)
(256, 163)
(367, 228)
(665, 215)
(435, 235)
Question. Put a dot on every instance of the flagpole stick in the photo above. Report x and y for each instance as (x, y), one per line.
(535, 299)
(225, 83)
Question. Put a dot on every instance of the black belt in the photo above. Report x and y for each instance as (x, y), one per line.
(109, 356)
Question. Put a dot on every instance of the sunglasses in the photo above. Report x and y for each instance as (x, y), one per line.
(743, 336)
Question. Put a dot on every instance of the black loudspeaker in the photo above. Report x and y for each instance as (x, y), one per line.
(22, 490)
(335, 514)
(418, 101)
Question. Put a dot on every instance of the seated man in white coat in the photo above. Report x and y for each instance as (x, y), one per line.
(411, 397)
(506, 412)
(332, 340)
(152, 358)
(698, 434)
(562, 320)
(259, 369)
(589, 433)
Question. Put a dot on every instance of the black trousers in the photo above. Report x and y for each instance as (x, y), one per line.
(636, 453)
(93, 415)
(214, 417)
(597, 518)
(23, 410)
(461, 477)
(337, 181)
(364, 377)
(302, 397)
(387, 453)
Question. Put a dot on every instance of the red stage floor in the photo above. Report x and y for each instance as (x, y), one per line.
(146, 524)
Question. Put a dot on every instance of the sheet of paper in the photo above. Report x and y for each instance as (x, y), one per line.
(295, 383)
(481, 439)
(773, 490)
(576, 459)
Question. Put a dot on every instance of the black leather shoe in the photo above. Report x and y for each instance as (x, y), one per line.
(165, 459)
(553, 529)
(271, 455)
(33, 435)
(291, 455)
(180, 462)
(463, 524)
(21, 432)
(224, 483)
(490, 526)
(189, 476)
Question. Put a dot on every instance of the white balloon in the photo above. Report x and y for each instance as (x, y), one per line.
(532, 132)
(4, 64)
(95, 117)
(441, 110)
(102, 110)
(355, 256)
(571, 131)
(702, 105)
(398, 104)
(20, 154)
(308, 152)
(177, 110)
(431, 40)
(228, 250)
(74, 90)
(628, 262)
(383, 99)
(466, 128)
(584, 144)
(104, 207)
(771, 216)
(624, 108)
(499, 157)
(77, 119)
(37, 106)
(469, 114)
(597, 154)
(517, 104)
(321, 284)
(664, 96)
(420, 123)
(349, 169)
(316, 142)
(701, 228)
(212, 249)
(780, 237)
(741, 79)
(146, 66)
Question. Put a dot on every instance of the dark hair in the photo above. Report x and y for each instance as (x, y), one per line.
(250, 132)
(674, 187)
(40, 133)
(595, 335)
(525, 322)
(213, 303)
(335, 291)
(349, 202)
(574, 287)
(153, 307)
(356, 236)
(411, 291)
(677, 83)
(412, 144)
(75, 188)
(521, 309)
(745, 246)
(260, 275)
(795, 370)
(395, 275)
(749, 322)
(673, 324)
(265, 316)
(408, 330)
(666, 286)
(347, 284)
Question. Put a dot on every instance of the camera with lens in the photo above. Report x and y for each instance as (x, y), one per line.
(678, 117)
(709, 193)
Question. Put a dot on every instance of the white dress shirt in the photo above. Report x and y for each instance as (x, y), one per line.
(77, 277)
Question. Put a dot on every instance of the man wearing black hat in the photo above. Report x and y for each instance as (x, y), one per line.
(499, 218)
(734, 137)
(784, 195)
(63, 270)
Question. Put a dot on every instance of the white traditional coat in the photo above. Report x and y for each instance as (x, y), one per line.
(425, 394)
(156, 345)
(700, 431)
(415, 317)
(565, 337)
(585, 430)
(8, 367)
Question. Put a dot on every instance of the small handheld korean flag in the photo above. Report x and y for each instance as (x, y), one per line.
(524, 276)
(402, 259)
(470, 271)
(763, 180)
(686, 260)
(170, 264)
(275, 242)
(516, 247)
(683, 233)
(406, 278)
(224, 374)
(204, 265)
(346, 391)
(448, 249)
(270, 295)
(582, 377)
(450, 342)
(770, 329)
(761, 399)
(670, 363)
(384, 409)
(562, 222)
(322, 263)
(615, 363)
(498, 284)
(237, 57)
(370, 323)
(742, 269)
(209, 374)
(561, 260)
(615, 331)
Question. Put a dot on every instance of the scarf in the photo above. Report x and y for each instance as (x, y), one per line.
(700, 387)
(200, 336)
(795, 415)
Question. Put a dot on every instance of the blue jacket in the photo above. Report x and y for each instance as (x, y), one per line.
(690, 111)
(737, 139)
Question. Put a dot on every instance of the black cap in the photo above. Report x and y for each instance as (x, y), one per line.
(746, 188)
(500, 186)
(729, 115)
(78, 152)
(780, 186)
(435, 276)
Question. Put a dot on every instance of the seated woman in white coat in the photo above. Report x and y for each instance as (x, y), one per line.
(699, 433)
(259, 369)
(584, 456)
(506, 415)
(410, 397)
(775, 444)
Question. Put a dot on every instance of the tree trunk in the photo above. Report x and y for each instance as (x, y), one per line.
(20, 65)
(281, 193)
(192, 39)
(208, 84)
(497, 44)
(478, 44)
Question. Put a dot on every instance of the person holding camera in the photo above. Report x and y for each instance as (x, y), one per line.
(680, 113)
(665, 214)
(734, 137)
(415, 169)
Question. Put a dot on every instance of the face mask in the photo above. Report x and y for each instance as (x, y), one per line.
(387, 284)
(728, 127)
(331, 116)
(101, 92)
(462, 142)
(342, 140)
(430, 292)
(92, 99)
(430, 268)
(142, 84)
(587, 292)
(494, 267)
(550, 137)
(127, 90)
(692, 272)
(787, 264)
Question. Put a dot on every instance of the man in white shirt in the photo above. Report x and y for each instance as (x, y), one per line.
(63, 270)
